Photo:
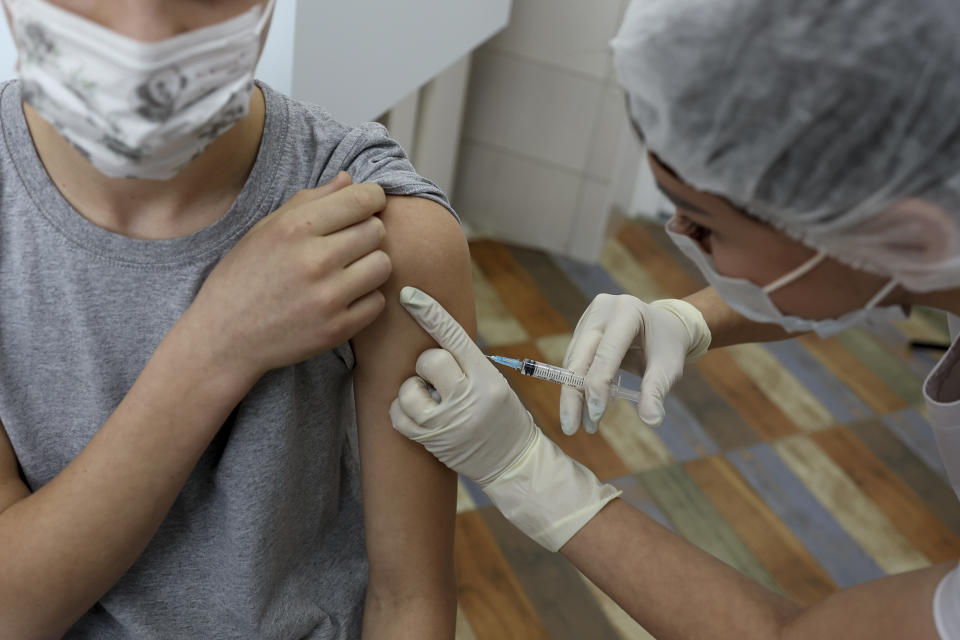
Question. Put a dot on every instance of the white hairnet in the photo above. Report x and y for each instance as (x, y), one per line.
(837, 121)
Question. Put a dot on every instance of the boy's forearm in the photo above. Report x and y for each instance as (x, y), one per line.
(64, 546)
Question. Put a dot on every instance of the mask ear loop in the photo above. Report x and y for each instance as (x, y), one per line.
(883, 293)
(799, 272)
(266, 15)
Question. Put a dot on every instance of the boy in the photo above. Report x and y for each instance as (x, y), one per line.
(180, 407)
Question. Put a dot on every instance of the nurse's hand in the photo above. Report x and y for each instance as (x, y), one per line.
(477, 426)
(622, 332)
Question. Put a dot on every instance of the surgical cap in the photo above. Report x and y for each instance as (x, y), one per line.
(837, 121)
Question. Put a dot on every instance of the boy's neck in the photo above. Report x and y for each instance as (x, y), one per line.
(153, 209)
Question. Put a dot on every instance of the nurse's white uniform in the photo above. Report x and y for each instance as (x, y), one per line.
(941, 390)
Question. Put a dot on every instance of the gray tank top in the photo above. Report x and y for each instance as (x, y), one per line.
(266, 538)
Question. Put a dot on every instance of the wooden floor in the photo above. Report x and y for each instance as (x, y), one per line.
(808, 465)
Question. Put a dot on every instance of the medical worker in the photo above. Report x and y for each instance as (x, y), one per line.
(812, 149)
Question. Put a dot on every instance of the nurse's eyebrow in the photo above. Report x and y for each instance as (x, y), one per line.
(680, 202)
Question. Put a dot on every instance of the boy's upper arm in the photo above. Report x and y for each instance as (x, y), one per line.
(12, 488)
(409, 497)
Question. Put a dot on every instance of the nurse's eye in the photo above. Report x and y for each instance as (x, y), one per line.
(699, 233)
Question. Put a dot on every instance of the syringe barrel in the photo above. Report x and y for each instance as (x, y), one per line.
(549, 372)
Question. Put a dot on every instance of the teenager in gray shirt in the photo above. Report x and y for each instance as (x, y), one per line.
(200, 339)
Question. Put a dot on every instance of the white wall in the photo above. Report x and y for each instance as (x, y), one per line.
(544, 123)
(547, 152)
(360, 58)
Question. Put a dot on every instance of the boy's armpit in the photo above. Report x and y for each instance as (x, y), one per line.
(12, 486)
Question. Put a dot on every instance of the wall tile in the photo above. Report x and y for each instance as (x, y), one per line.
(531, 109)
(515, 198)
(572, 35)
(589, 225)
(611, 125)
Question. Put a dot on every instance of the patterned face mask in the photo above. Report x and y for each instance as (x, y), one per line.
(754, 302)
(136, 109)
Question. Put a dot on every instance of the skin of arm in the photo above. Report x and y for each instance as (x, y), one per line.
(676, 590)
(727, 327)
(409, 497)
(61, 547)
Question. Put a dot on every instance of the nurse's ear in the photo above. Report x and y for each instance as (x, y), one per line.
(911, 231)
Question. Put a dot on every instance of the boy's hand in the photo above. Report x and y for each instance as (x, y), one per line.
(301, 281)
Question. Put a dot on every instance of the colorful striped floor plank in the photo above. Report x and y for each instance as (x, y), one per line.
(552, 282)
(933, 488)
(659, 263)
(744, 396)
(808, 465)
(892, 371)
(855, 512)
(724, 425)
(790, 564)
(638, 445)
(591, 279)
(518, 290)
(489, 593)
(780, 386)
(495, 324)
(911, 427)
(854, 372)
(902, 507)
(628, 273)
(682, 433)
(834, 549)
(832, 393)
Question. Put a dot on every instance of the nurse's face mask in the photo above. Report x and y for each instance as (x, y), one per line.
(753, 301)
(136, 109)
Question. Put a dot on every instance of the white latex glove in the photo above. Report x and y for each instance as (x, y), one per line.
(622, 332)
(480, 429)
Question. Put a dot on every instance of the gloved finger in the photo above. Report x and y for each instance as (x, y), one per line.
(439, 368)
(579, 355)
(404, 424)
(571, 408)
(590, 425)
(434, 319)
(656, 383)
(621, 333)
(415, 400)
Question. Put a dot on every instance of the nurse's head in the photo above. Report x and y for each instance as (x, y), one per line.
(784, 131)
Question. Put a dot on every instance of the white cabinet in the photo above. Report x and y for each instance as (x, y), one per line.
(361, 58)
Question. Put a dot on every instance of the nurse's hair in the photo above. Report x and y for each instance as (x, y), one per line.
(838, 121)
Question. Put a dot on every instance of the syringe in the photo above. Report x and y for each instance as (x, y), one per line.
(545, 371)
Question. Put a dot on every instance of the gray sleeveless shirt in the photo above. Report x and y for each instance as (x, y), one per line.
(266, 538)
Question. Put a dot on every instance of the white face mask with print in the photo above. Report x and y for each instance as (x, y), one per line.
(136, 109)
(754, 301)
